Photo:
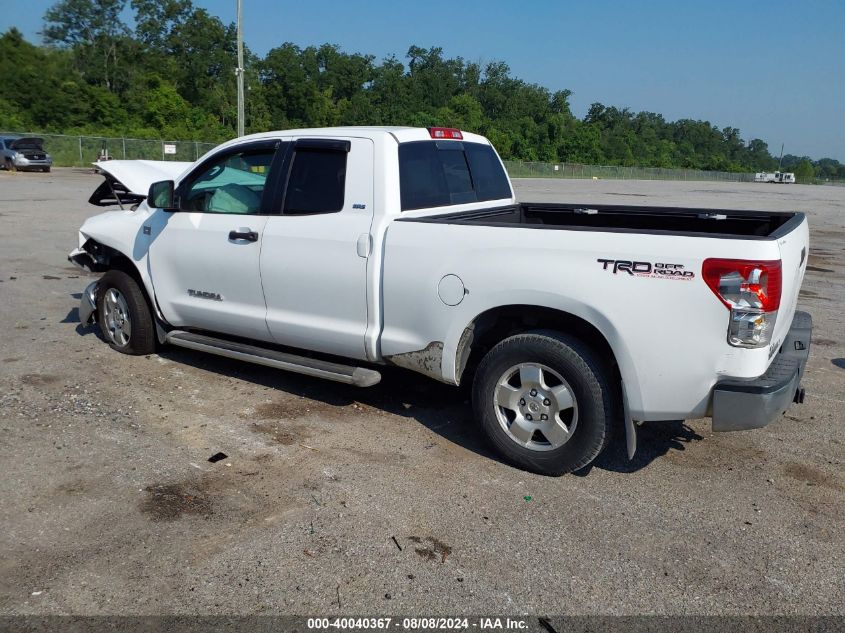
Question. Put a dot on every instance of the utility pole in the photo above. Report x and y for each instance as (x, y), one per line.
(239, 71)
(780, 160)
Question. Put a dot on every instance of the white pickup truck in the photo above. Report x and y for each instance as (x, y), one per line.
(334, 252)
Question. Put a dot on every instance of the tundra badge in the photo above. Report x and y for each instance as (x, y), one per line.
(202, 294)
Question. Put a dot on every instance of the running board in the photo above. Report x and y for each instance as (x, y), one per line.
(358, 376)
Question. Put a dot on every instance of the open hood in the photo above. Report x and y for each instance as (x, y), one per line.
(128, 181)
(27, 142)
(138, 175)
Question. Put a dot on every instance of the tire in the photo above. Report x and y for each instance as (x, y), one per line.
(46, 170)
(10, 165)
(124, 315)
(573, 398)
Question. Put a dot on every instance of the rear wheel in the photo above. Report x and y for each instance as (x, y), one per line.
(544, 401)
(124, 315)
(10, 165)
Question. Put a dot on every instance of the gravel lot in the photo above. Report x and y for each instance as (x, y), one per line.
(378, 501)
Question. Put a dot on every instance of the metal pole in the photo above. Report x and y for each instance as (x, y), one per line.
(124, 148)
(239, 71)
(81, 161)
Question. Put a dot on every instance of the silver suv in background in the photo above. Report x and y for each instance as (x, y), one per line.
(24, 152)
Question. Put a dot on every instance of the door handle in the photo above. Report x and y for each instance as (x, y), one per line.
(243, 234)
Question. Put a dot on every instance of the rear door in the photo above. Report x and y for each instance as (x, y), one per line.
(314, 254)
(204, 258)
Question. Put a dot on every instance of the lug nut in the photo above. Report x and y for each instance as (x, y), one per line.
(533, 392)
(544, 417)
(528, 417)
(522, 402)
(547, 402)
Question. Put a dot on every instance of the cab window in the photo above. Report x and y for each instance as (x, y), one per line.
(232, 184)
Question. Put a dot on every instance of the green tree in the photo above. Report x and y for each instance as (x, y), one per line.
(172, 74)
(94, 31)
(805, 172)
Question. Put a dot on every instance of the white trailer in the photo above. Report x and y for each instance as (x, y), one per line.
(784, 177)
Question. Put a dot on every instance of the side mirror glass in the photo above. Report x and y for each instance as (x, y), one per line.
(161, 196)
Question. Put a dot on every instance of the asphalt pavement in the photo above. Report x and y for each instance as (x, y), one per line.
(386, 500)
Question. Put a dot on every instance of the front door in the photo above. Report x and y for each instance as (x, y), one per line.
(204, 258)
(314, 255)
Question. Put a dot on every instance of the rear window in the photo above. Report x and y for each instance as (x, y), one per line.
(440, 173)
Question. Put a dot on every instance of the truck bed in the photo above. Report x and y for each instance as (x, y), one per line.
(629, 219)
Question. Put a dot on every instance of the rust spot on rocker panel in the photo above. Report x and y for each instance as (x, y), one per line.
(425, 361)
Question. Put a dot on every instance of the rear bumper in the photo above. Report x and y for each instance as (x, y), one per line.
(751, 404)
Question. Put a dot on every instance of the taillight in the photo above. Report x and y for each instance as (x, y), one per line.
(445, 133)
(751, 290)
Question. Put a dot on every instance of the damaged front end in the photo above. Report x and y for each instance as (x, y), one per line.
(87, 261)
(92, 257)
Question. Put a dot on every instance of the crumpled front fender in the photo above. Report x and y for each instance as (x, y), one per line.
(88, 303)
(83, 260)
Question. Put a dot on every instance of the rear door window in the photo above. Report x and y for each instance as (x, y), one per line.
(440, 173)
(317, 181)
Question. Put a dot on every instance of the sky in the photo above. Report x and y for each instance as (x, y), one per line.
(773, 69)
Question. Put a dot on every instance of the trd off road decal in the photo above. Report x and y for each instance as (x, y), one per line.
(647, 269)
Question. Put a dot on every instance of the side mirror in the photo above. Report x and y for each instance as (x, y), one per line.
(161, 196)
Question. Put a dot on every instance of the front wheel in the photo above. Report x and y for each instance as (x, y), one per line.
(124, 315)
(544, 401)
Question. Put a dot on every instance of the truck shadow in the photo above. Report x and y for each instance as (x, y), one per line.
(654, 440)
(442, 409)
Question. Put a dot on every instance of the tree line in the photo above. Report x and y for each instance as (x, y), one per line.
(172, 75)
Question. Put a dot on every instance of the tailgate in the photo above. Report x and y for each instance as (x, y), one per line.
(794, 253)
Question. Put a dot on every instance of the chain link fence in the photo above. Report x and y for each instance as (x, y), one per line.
(81, 151)
(523, 169)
